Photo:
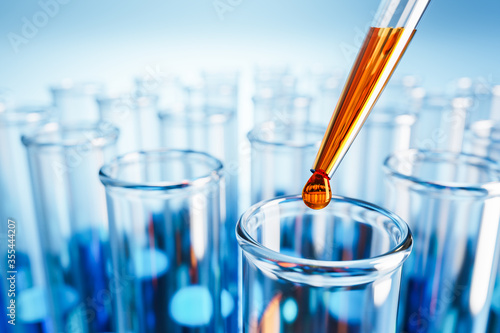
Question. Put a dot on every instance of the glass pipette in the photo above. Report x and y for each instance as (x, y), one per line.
(384, 45)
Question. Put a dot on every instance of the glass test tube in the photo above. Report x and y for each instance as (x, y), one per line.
(71, 213)
(487, 103)
(285, 109)
(275, 80)
(441, 123)
(332, 270)
(452, 204)
(31, 313)
(135, 117)
(361, 174)
(214, 89)
(75, 102)
(325, 88)
(281, 154)
(483, 139)
(213, 130)
(164, 211)
(167, 87)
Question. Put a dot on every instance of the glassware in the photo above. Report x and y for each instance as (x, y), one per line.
(452, 203)
(166, 86)
(325, 88)
(213, 89)
(75, 101)
(71, 214)
(280, 157)
(32, 314)
(276, 80)
(165, 216)
(213, 130)
(135, 117)
(333, 270)
(484, 95)
(209, 123)
(361, 174)
(483, 139)
(285, 109)
(487, 102)
(441, 123)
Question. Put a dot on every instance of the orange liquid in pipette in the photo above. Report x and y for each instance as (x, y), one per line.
(377, 59)
(317, 192)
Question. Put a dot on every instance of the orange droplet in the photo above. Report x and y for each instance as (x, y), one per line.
(317, 193)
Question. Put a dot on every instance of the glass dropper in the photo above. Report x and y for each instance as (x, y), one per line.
(383, 47)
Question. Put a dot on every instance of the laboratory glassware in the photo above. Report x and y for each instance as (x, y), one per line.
(165, 214)
(71, 214)
(451, 202)
(331, 270)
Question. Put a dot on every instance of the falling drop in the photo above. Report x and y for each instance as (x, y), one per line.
(317, 192)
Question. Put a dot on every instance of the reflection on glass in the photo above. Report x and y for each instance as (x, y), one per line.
(452, 204)
(333, 270)
(71, 213)
(165, 217)
(17, 204)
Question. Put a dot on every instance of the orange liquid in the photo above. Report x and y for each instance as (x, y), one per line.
(317, 193)
(377, 59)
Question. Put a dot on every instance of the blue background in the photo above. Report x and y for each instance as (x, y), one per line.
(116, 40)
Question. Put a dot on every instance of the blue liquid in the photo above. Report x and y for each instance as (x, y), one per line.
(31, 302)
(89, 271)
(273, 303)
(494, 319)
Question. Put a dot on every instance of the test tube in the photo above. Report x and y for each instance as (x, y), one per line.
(451, 202)
(487, 103)
(75, 101)
(31, 312)
(484, 139)
(333, 270)
(361, 174)
(325, 90)
(166, 86)
(214, 89)
(282, 108)
(71, 213)
(135, 117)
(274, 145)
(213, 130)
(441, 123)
(277, 80)
(165, 215)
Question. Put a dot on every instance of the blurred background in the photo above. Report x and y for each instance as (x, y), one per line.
(113, 41)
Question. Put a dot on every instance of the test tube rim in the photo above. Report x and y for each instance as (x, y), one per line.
(488, 124)
(109, 135)
(350, 269)
(198, 117)
(26, 114)
(254, 138)
(77, 87)
(136, 100)
(109, 181)
(491, 188)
